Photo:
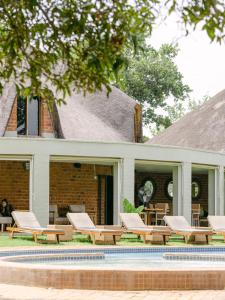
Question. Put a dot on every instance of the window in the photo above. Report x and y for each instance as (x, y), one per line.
(195, 189)
(28, 116)
(169, 189)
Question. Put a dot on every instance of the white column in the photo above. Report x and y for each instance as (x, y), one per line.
(177, 191)
(116, 192)
(186, 190)
(123, 187)
(128, 174)
(219, 203)
(211, 192)
(40, 188)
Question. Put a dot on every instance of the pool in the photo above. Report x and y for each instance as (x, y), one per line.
(112, 268)
(116, 261)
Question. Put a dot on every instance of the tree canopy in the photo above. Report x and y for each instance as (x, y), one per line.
(152, 77)
(80, 43)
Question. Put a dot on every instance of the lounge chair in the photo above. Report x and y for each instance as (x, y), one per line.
(133, 223)
(180, 226)
(217, 223)
(83, 224)
(27, 222)
(77, 208)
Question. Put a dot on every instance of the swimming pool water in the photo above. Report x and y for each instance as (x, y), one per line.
(131, 260)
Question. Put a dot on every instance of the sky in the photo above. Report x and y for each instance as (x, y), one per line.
(201, 62)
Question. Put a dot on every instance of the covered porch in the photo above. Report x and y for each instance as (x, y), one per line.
(79, 184)
(77, 173)
(177, 188)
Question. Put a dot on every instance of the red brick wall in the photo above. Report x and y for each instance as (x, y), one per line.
(69, 185)
(46, 125)
(46, 121)
(12, 122)
(161, 180)
(14, 184)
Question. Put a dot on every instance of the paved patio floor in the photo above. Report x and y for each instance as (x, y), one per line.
(11, 292)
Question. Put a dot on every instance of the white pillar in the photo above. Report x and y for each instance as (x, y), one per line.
(177, 191)
(40, 188)
(123, 179)
(219, 203)
(128, 174)
(186, 190)
(116, 192)
(211, 192)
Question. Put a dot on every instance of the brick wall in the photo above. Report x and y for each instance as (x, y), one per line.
(161, 180)
(12, 122)
(14, 184)
(46, 125)
(70, 185)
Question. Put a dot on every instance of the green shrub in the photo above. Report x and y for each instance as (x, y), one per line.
(130, 208)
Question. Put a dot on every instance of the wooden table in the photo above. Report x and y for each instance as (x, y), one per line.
(68, 235)
(150, 211)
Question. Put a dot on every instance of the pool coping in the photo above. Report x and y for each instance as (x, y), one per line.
(107, 278)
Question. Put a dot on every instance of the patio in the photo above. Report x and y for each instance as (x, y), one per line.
(33, 293)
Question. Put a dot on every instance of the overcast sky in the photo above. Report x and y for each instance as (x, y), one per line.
(201, 62)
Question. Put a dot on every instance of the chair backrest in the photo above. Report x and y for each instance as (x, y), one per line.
(177, 223)
(80, 220)
(53, 208)
(217, 222)
(77, 208)
(164, 206)
(196, 207)
(132, 220)
(25, 219)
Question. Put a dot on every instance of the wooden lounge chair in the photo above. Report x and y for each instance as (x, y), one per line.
(26, 222)
(180, 226)
(217, 223)
(83, 224)
(134, 224)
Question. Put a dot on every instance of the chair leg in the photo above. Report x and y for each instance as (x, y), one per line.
(164, 239)
(57, 238)
(114, 239)
(207, 239)
(144, 238)
(93, 239)
(35, 238)
(11, 234)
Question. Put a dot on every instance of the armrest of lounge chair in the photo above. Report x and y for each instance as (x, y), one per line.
(43, 229)
(150, 230)
(204, 228)
(94, 229)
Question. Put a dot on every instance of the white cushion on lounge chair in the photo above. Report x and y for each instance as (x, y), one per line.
(25, 219)
(177, 223)
(80, 220)
(132, 220)
(28, 221)
(217, 222)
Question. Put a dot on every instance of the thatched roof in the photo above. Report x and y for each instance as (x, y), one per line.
(98, 117)
(203, 128)
(95, 117)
